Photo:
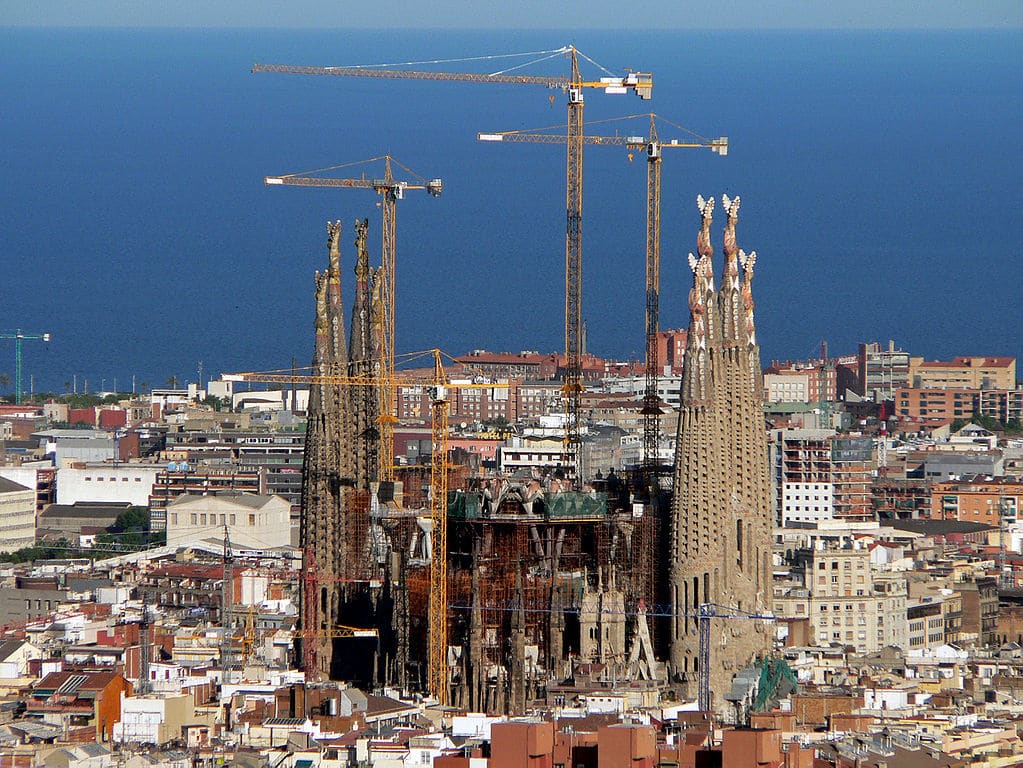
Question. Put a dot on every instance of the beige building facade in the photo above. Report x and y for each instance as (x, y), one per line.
(963, 373)
(17, 516)
(253, 521)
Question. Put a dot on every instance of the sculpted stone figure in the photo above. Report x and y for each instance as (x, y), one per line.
(703, 246)
(747, 261)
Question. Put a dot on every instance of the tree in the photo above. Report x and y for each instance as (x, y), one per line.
(217, 403)
(5, 381)
(131, 531)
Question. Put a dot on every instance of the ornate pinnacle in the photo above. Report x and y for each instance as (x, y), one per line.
(321, 307)
(731, 206)
(706, 207)
(747, 261)
(362, 253)
(334, 244)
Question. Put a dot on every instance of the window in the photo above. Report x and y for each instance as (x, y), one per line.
(252, 519)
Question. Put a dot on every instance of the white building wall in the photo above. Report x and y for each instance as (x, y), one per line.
(110, 484)
(786, 388)
(807, 502)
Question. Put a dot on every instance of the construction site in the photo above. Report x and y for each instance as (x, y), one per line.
(492, 591)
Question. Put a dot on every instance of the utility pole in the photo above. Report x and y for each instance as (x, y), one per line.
(19, 336)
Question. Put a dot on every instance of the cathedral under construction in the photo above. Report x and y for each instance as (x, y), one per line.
(547, 580)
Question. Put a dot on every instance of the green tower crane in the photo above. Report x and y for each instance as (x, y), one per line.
(18, 336)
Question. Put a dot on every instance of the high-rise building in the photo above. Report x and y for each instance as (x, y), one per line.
(721, 511)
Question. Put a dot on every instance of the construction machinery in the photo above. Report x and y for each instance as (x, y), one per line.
(391, 190)
(824, 373)
(438, 603)
(705, 614)
(19, 336)
(227, 610)
(574, 85)
(653, 147)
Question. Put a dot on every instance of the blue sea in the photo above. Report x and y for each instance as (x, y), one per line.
(880, 177)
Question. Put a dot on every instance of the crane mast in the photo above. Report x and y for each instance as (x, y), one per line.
(439, 468)
(704, 614)
(640, 83)
(390, 190)
(575, 139)
(227, 610)
(573, 386)
(438, 608)
(651, 401)
(19, 336)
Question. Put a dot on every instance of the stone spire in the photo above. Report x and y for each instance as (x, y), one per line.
(731, 311)
(364, 400)
(720, 514)
(325, 468)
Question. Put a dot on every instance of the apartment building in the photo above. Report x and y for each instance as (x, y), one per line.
(963, 373)
(882, 370)
(845, 601)
(17, 516)
(980, 500)
(936, 404)
(819, 475)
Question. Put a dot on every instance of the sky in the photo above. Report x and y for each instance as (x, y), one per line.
(521, 14)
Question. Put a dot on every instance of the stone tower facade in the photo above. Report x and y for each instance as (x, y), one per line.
(325, 468)
(721, 511)
(364, 362)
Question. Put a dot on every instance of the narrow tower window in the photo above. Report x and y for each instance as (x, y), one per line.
(738, 542)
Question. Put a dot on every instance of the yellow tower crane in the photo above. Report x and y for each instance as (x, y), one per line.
(438, 608)
(638, 82)
(391, 190)
(653, 146)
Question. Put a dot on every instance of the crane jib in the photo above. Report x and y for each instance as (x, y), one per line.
(548, 81)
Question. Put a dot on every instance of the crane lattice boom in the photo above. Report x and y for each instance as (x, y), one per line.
(390, 190)
(654, 147)
(641, 83)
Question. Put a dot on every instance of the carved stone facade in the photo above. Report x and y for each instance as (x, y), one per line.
(721, 510)
(326, 464)
(340, 454)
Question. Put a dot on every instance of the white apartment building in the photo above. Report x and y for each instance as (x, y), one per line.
(846, 602)
(806, 503)
(17, 516)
